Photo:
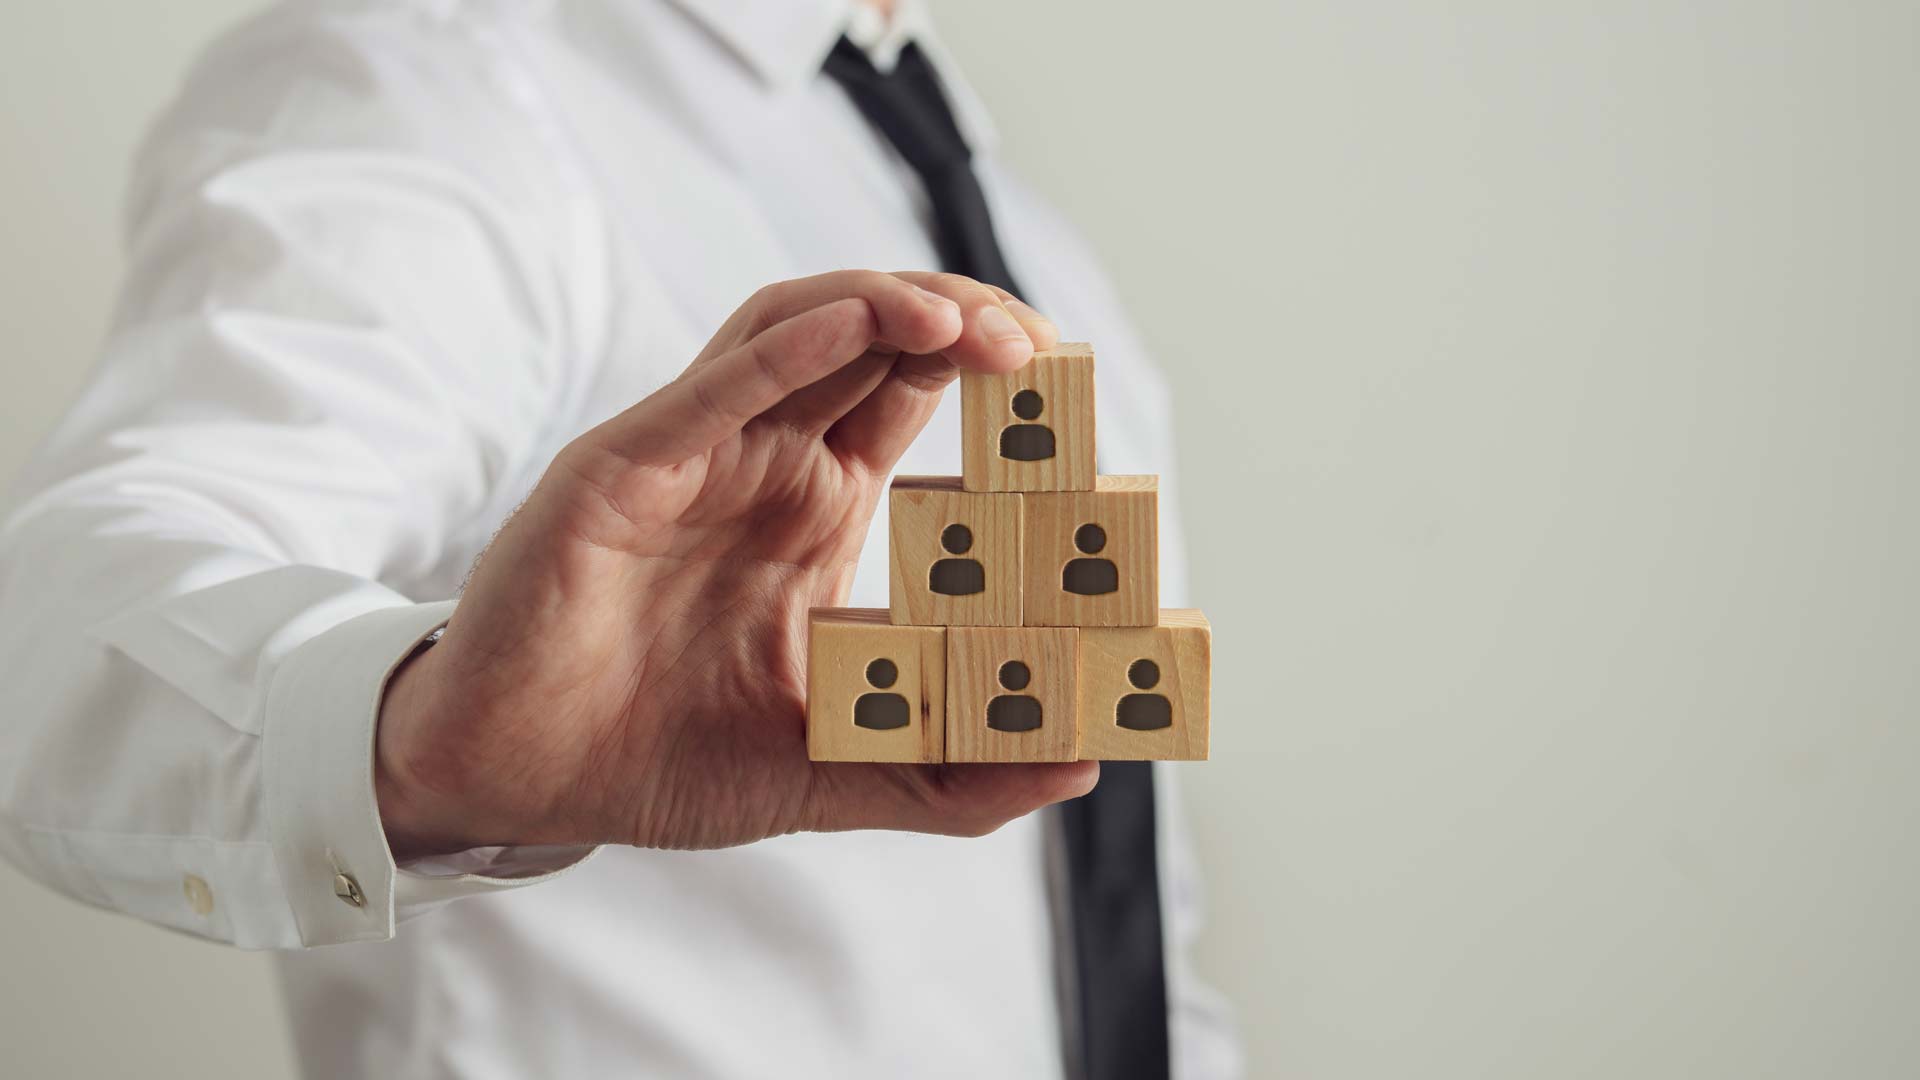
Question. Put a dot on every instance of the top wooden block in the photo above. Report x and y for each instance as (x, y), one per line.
(1031, 429)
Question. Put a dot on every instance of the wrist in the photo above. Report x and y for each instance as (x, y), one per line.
(417, 811)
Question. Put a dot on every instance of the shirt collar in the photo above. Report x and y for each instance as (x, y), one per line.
(785, 43)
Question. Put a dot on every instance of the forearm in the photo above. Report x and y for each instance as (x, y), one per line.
(135, 667)
(190, 734)
(338, 347)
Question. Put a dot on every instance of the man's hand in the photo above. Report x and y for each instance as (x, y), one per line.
(628, 663)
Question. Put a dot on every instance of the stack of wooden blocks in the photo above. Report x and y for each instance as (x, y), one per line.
(1025, 620)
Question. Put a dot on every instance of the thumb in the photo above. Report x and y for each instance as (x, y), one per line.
(948, 800)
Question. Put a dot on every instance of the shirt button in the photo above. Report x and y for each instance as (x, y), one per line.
(348, 889)
(199, 895)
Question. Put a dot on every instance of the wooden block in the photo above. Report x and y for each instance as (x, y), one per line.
(1093, 557)
(875, 691)
(1144, 691)
(1010, 694)
(1032, 429)
(955, 554)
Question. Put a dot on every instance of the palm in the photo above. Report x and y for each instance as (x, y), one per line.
(628, 662)
(765, 526)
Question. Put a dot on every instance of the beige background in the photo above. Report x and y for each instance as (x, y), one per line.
(1548, 376)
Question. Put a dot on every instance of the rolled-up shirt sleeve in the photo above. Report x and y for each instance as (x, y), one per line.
(352, 314)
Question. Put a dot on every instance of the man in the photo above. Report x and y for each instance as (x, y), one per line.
(399, 268)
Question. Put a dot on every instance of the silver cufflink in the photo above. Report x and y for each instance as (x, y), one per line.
(348, 889)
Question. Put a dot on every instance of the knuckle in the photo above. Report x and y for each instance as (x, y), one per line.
(951, 284)
(841, 325)
(866, 317)
(584, 486)
(765, 366)
(760, 309)
(869, 282)
(581, 464)
(704, 399)
(764, 296)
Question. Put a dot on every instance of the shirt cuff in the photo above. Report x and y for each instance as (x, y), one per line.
(323, 817)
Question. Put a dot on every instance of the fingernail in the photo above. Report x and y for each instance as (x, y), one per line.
(997, 325)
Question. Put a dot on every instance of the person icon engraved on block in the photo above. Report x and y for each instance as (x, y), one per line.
(882, 711)
(1014, 711)
(957, 576)
(1090, 576)
(1026, 441)
(1144, 712)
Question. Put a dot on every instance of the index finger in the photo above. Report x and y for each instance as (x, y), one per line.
(714, 400)
(910, 318)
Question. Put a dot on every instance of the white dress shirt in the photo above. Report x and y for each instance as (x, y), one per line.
(385, 258)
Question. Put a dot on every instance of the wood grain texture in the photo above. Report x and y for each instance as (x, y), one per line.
(1127, 510)
(1063, 379)
(1180, 648)
(975, 656)
(841, 643)
(922, 509)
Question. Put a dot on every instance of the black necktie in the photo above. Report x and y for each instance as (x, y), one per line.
(910, 110)
(1116, 925)
(1113, 877)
